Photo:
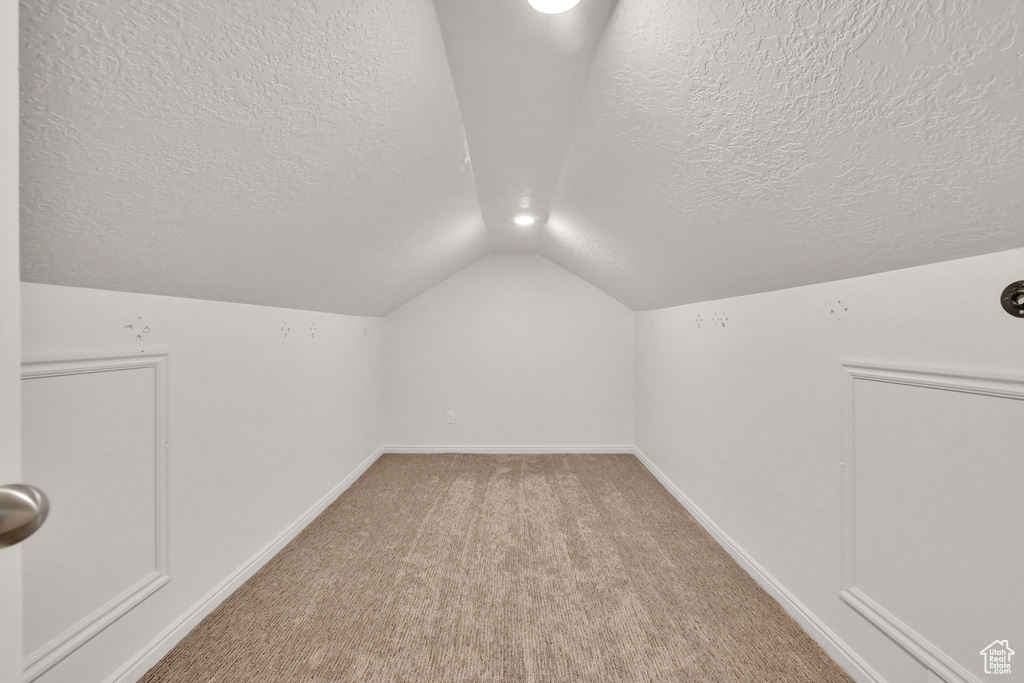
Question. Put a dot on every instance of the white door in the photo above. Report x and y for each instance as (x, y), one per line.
(10, 335)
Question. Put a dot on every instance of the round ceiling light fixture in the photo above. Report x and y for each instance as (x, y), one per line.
(525, 219)
(553, 6)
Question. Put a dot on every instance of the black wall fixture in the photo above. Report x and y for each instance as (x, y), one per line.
(1012, 299)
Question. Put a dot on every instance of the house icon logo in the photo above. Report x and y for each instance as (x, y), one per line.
(997, 657)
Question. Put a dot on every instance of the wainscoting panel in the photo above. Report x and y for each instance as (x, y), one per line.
(95, 441)
(938, 576)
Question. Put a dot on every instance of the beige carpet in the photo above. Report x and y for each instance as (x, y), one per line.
(500, 568)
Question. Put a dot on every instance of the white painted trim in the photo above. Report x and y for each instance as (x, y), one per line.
(958, 380)
(147, 657)
(962, 380)
(509, 450)
(50, 654)
(834, 646)
(916, 645)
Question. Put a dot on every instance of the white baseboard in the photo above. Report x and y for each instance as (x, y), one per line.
(845, 657)
(839, 651)
(146, 658)
(509, 450)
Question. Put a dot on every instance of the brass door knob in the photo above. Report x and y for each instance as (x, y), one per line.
(23, 510)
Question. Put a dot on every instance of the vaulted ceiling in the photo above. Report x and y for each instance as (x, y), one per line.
(282, 152)
(346, 155)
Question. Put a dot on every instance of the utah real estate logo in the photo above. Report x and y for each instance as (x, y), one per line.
(997, 657)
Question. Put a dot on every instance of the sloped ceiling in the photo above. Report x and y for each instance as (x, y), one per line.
(312, 154)
(735, 146)
(520, 77)
(297, 153)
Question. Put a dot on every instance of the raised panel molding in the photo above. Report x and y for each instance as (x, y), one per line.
(955, 380)
(74, 637)
(148, 656)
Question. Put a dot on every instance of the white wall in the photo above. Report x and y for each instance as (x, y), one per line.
(261, 426)
(740, 403)
(10, 342)
(525, 353)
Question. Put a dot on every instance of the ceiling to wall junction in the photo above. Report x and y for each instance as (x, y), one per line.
(298, 153)
(313, 153)
(727, 147)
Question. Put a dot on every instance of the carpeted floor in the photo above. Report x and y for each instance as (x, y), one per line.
(500, 568)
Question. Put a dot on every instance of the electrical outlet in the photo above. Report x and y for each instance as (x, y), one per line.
(450, 418)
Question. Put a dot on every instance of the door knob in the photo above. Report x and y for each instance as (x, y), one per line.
(23, 510)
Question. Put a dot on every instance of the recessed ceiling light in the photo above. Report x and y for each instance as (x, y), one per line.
(553, 6)
(525, 219)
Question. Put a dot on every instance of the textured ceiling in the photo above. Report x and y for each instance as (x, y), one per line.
(520, 77)
(298, 153)
(734, 146)
(312, 154)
